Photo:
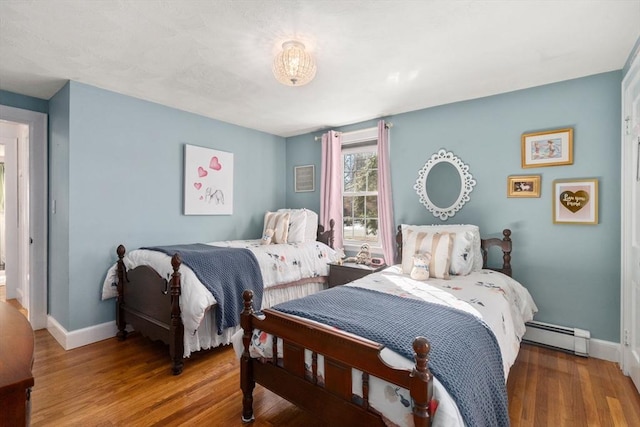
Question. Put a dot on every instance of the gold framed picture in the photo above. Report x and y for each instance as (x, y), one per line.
(548, 148)
(523, 186)
(575, 201)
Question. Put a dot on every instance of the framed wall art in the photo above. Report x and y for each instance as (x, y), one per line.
(575, 201)
(208, 181)
(304, 178)
(548, 148)
(523, 186)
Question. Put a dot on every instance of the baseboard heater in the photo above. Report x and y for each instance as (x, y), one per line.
(571, 340)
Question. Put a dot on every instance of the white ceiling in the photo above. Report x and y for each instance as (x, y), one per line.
(375, 58)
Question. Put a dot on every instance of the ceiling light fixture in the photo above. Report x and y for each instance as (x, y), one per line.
(293, 66)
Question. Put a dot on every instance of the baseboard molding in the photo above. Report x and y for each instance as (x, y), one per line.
(81, 337)
(605, 350)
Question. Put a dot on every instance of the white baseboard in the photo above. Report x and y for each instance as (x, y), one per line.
(69, 340)
(605, 350)
(599, 349)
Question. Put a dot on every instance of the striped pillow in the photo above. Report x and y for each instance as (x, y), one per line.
(439, 245)
(279, 222)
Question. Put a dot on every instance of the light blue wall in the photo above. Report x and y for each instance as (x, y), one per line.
(572, 271)
(120, 168)
(15, 100)
(58, 263)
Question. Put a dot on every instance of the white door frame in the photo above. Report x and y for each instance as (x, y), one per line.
(38, 171)
(630, 263)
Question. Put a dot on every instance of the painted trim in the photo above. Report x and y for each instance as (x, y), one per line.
(605, 350)
(38, 218)
(81, 337)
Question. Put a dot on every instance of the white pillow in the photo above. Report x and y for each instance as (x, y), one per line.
(279, 222)
(297, 225)
(466, 255)
(311, 232)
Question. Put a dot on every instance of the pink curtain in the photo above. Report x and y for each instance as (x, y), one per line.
(386, 225)
(331, 185)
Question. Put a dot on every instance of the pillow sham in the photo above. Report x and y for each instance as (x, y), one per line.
(466, 255)
(311, 230)
(440, 246)
(297, 225)
(279, 222)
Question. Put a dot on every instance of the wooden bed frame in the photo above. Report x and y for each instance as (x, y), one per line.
(151, 304)
(333, 401)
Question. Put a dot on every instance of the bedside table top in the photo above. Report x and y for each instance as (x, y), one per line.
(370, 268)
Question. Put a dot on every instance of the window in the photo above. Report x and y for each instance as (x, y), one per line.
(360, 191)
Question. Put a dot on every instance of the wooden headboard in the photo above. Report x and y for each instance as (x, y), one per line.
(485, 244)
(326, 237)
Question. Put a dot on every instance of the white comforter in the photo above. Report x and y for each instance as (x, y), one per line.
(503, 303)
(280, 263)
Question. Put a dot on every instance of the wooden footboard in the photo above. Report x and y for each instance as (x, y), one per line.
(332, 399)
(151, 305)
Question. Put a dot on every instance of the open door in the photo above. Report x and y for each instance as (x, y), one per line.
(631, 223)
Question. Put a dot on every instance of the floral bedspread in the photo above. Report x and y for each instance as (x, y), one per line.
(280, 263)
(503, 303)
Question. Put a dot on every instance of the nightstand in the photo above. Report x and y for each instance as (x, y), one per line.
(349, 271)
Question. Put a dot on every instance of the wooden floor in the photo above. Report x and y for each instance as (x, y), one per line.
(114, 383)
(13, 302)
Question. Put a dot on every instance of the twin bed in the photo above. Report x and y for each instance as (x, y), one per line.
(163, 299)
(384, 350)
(420, 362)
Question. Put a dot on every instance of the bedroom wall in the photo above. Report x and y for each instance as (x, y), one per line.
(15, 100)
(116, 176)
(572, 271)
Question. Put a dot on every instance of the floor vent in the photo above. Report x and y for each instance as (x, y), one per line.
(572, 340)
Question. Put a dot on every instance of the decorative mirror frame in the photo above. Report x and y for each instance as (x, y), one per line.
(466, 184)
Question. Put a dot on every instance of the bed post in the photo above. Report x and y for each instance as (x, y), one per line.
(399, 245)
(326, 236)
(122, 274)
(247, 383)
(506, 249)
(421, 385)
(176, 333)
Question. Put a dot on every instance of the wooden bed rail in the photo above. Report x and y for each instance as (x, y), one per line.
(330, 397)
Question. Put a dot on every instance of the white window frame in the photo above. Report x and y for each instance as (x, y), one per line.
(361, 141)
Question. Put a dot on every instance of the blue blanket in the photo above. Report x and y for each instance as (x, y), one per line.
(226, 273)
(464, 356)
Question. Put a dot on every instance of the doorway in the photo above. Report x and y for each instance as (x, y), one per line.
(23, 133)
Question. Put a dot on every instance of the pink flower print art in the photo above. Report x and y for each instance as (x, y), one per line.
(208, 181)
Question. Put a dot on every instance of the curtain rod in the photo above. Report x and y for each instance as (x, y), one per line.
(387, 125)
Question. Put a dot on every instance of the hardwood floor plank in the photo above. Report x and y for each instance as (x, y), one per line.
(129, 383)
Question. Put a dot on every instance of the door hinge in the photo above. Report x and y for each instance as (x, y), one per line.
(626, 337)
(627, 125)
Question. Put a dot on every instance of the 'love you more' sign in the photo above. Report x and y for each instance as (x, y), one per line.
(574, 201)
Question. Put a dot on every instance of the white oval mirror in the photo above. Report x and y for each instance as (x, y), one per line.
(444, 184)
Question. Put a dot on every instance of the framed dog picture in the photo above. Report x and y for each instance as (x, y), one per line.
(575, 201)
(523, 186)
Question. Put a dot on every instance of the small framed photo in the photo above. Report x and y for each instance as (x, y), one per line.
(523, 186)
(304, 178)
(575, 201)
(548, 148)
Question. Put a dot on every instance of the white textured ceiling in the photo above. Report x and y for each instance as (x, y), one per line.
(375, 58)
